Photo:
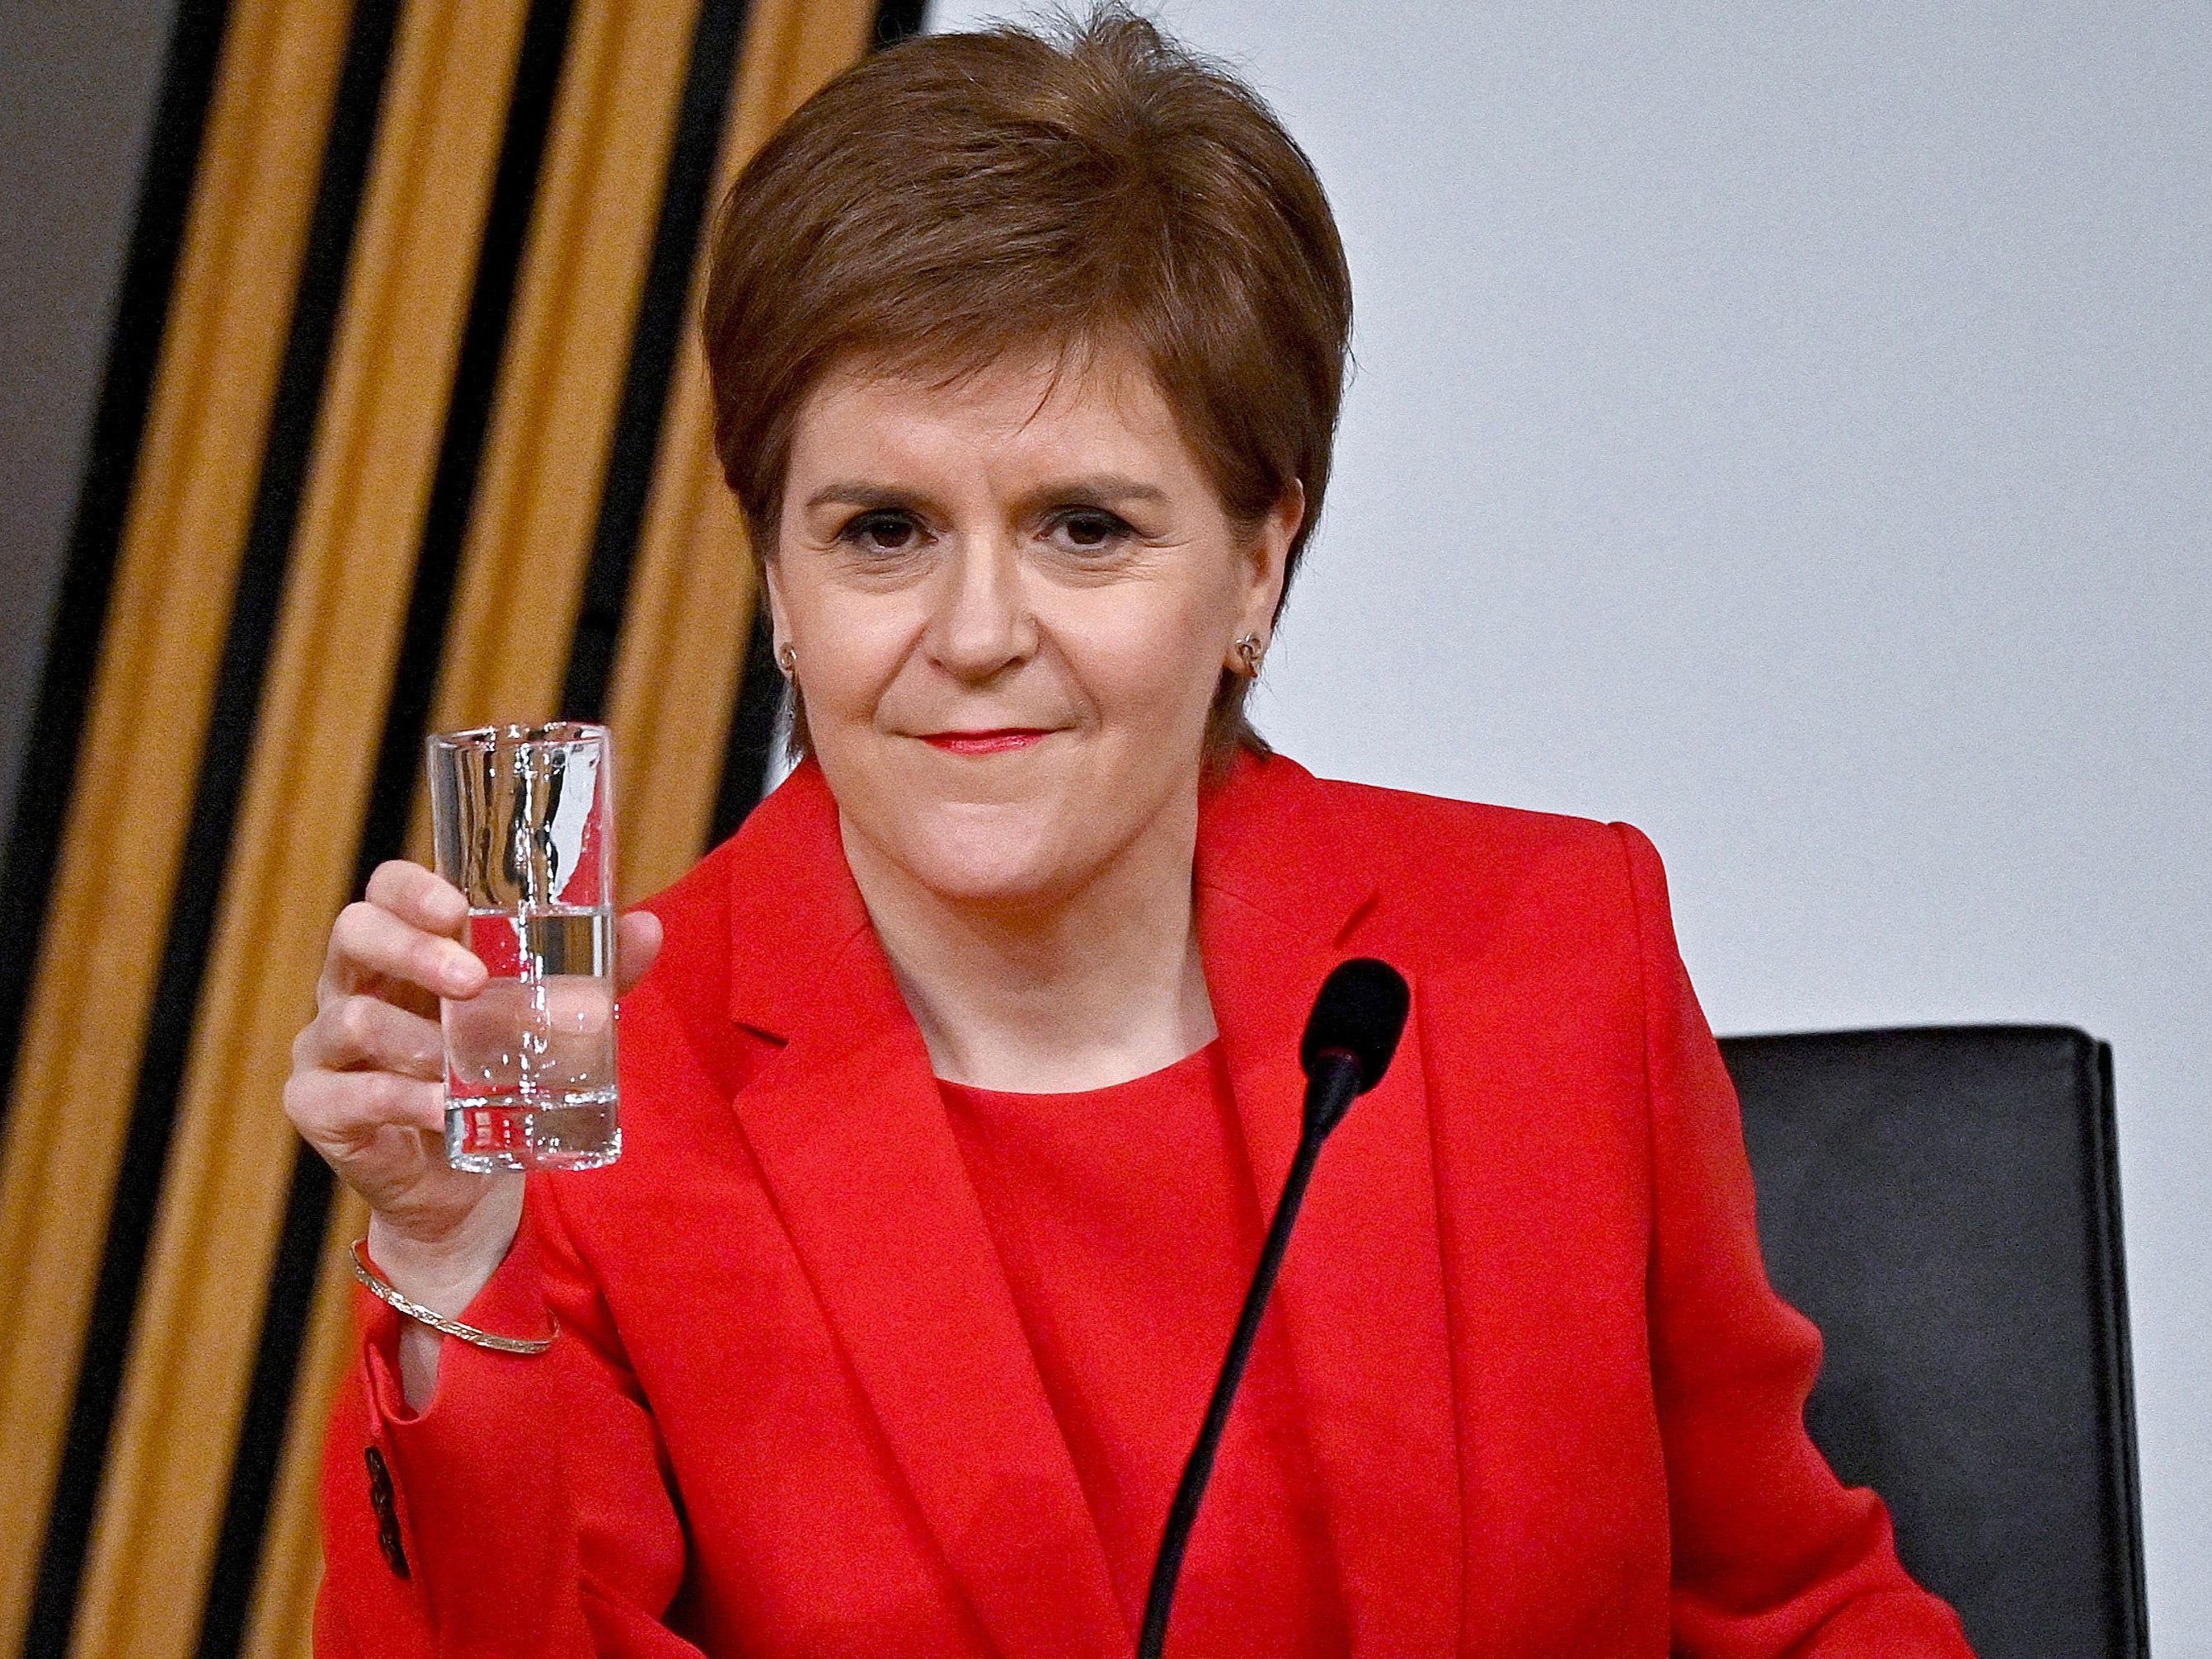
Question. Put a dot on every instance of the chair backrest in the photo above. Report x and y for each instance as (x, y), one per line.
(1944, 1205)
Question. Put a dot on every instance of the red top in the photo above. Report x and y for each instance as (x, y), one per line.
(1128, 1226)
(1552, 1407)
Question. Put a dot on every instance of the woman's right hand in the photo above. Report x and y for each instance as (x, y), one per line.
(366, 1084)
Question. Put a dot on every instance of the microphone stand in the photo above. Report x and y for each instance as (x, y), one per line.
(1331, 1087)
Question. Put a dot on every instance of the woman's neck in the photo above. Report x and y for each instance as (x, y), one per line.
(1093, 988)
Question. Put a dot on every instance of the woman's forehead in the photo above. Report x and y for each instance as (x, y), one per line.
(1026, 402)
(988, 373)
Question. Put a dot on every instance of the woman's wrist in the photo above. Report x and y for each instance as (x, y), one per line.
(445, 1268)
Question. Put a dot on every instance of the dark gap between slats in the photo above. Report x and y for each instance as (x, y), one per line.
(752, 731)
(895, 19)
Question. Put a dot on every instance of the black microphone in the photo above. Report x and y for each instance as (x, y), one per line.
(1350, 1036)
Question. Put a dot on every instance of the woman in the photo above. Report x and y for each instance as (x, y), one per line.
(966, 1077)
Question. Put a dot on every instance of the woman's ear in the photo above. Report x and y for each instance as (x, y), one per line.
(1271, 557)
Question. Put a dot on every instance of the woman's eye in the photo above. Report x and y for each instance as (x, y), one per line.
(1091, 531)
(882, 533)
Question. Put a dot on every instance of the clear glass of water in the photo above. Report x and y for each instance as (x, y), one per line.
(522, 819)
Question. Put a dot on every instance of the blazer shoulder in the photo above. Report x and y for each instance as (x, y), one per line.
(1457, 869)
(1424, 832)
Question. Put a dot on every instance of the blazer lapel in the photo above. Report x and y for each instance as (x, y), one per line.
(849, 1130)
(1362, 1292)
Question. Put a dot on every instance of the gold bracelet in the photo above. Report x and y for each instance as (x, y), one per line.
(439, 1322)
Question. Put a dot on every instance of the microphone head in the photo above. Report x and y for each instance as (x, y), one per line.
(1360, 1011)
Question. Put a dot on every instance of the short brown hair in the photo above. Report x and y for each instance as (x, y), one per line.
(959, 196)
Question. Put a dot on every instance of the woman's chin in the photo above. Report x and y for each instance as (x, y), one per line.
(1011, 853)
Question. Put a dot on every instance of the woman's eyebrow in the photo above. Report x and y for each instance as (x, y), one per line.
(1104, 488)
(862, 496)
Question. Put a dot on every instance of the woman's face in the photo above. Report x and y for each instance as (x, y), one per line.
(1010, 601)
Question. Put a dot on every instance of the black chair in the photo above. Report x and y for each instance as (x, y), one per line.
(1944, 1205)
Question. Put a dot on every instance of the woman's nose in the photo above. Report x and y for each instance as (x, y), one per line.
(982, 623)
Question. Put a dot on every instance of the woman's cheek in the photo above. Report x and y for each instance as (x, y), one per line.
(1147, 663)
(853, 664)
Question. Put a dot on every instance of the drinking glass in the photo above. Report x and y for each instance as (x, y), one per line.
(522, 819)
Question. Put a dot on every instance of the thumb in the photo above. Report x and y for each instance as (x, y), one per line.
(637, 943)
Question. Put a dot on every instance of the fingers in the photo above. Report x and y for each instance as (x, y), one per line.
(340, 1112)
(369, 941)
(419, 896)
(637, 944)
(365, 1033)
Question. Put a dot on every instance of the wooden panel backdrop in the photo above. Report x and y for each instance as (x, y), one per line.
(405, 427)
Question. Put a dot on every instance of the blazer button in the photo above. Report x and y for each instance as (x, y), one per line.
(387, 1513)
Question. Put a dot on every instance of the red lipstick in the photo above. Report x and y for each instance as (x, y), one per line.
(996, 742)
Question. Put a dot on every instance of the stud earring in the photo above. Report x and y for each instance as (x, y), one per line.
(787, 659)
(1249, 650)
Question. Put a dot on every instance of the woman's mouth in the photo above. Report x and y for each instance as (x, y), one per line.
(997, 741)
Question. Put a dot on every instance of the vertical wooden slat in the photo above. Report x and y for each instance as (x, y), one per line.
(691, 595)
(192, 498)
(676, 679)
(377, 444)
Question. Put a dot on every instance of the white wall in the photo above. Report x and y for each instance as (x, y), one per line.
(1789, 427)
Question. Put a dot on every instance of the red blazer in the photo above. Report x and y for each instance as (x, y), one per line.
(1554, 1407)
